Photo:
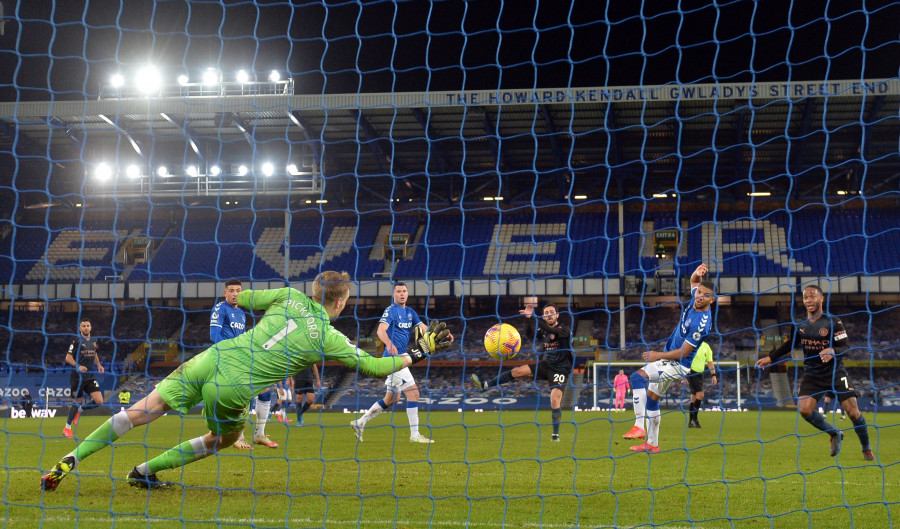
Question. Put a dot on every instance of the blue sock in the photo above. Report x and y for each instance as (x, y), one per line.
(504, 377)
(265, 396)
(555, 416)
(819, 422)
(652, 404)
(383, 405)
(637, 381)
(862, 431)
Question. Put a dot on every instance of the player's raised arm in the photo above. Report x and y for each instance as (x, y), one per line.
(698, 274)
(263, 299)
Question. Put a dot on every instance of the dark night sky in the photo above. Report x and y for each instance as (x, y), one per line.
(338, 47)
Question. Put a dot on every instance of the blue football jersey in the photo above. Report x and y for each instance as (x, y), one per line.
(693, 328)
(226, 322)
(401, 321)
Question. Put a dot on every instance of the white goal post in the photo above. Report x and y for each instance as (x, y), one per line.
(722, 369)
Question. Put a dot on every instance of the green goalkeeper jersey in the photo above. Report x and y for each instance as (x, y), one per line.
(294, 333)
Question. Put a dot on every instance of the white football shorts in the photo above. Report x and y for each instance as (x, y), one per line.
(662, 373)
(400, 380)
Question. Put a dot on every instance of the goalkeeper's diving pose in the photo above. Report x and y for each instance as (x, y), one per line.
(294, 333)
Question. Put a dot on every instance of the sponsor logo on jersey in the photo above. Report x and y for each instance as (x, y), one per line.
(841, 335)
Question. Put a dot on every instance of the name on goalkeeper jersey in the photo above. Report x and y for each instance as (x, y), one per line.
(312, 326)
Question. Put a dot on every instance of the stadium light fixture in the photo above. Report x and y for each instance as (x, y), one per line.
(78, 205)
(215, 170)
(162, 171)
(242, 170)
(182, 79)
(268, 169)
(103, 172)
(841, 192)
(292, 170)
(274, 76)
(759, 194)
(242, 76)
(210, 77)
(117, 80)
(321, 201)
(660, 195)
(580, 197)
(132, 171)
(148, 80)
(192, 170)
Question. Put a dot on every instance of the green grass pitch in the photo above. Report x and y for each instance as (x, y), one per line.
(747, 470)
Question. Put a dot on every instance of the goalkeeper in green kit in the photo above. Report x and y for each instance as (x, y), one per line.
(294, 333)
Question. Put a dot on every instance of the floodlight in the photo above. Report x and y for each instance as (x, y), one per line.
(103, 172)
(292, 170)
(132, 171)
(182, 79)
(117, 81)
(274, 76)
(192, 170)
(214, 170)
(268, 169)
(210, 76)
(147, 80)
(162, 171)
(242, 170)
(242, 76)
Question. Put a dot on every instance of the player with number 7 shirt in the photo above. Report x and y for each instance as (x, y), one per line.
(824, 342)
(294, 333)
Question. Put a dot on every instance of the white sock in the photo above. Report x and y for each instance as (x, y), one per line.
(370, 414)
(653, 419)
(640, 406)
(241, 439)
(413, 415)
(262, 416)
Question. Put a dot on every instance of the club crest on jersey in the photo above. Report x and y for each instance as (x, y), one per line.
(696, 336)
(823, 332)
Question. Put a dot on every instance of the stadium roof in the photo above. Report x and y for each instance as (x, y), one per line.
(800, 140)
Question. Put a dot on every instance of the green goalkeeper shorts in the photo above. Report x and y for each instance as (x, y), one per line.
(225, 403)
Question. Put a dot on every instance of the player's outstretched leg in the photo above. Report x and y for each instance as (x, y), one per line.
(478, 382)
(51, 480)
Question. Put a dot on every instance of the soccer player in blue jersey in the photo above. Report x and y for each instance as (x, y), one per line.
(396, 325)
(82, 355)
(226, 321)
(652, 381)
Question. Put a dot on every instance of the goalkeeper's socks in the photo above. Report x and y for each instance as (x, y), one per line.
(819, 422)
(73, 410)
(862, 431)
(504, 378)
(186, 452)
(555, 416)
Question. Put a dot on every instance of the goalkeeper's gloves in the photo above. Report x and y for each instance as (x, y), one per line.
(427, 343)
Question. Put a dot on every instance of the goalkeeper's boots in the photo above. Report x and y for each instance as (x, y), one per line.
(358, 430)
(646, 447)
(68, 433)
(51, 480)
(150, 481)
(836, 443)
(264, 440)
(419, 438)
(478, 382)
(636, 432)
(868, 455)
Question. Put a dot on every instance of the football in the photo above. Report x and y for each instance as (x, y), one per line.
(502, 341)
